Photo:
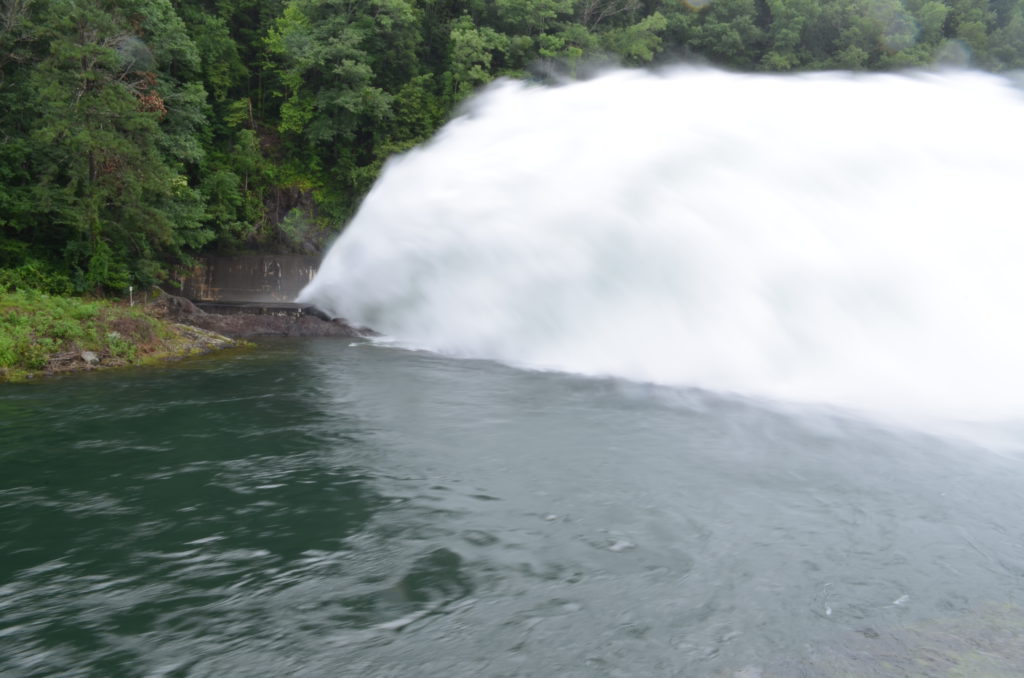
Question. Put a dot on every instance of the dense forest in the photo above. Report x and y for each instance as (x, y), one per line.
(135, 134)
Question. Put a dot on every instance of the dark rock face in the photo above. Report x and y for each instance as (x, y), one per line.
(245, 325)
(172, 307)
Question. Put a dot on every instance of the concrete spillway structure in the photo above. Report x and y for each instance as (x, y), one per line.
(249, 278)
(252, 284)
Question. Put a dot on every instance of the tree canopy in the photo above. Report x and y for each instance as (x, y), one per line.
(139, 133)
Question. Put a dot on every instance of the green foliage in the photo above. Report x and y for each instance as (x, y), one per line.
(40, 331)
(856, 34)
(32, 325)
(135, 135)
(106, 128)
(474, 53)
(639, 42)
(34, 274)
(730, 31)
(121, 348)
(21, 269)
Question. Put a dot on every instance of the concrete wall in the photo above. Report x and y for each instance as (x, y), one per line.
(249, 277)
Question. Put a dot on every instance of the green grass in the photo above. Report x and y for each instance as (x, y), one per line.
(46, 333)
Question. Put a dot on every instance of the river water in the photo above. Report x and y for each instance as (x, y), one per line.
(687, 374)
(321, 508)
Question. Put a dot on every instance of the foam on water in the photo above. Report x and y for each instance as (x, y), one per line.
(829, 238)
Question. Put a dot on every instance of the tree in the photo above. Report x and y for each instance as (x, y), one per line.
(105, 130)
(341, 63)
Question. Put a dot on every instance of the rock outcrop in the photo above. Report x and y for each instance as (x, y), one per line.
(247, 325)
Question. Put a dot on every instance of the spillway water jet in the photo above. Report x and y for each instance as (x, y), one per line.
(827, 238)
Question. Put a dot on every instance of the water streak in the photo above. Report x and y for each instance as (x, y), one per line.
(828, 238)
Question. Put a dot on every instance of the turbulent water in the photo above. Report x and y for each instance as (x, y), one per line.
(319, 510)
(718, 274)
(829, 238)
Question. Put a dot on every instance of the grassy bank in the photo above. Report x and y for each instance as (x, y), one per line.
(44, 334)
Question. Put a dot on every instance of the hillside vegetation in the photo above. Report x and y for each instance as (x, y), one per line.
(40, 333)
(136, 134)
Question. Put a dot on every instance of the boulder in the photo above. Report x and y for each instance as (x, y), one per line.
(174, 308)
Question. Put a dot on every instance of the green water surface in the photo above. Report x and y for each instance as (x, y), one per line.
(315, 508)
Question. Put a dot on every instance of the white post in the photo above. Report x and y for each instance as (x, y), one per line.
(131, 299)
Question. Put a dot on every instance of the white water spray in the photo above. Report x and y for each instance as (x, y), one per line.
(851, 240)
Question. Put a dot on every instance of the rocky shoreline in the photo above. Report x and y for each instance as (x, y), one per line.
(74, 335)
(186, 341)
(247, 326)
